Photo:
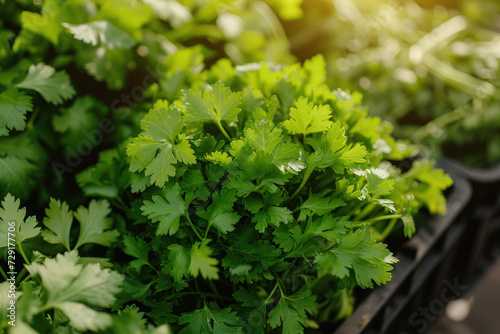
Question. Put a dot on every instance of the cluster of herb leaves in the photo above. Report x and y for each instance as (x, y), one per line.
(433, 72)
(66, 292)
(261, 197)
(104, 41)
(250, 198)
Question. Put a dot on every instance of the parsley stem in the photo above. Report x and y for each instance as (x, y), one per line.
(387, 229)
(3, 273)
(193, 227)
(307, 174)
(223, 131)
(375, 219)
(21, 250)
(204, 294)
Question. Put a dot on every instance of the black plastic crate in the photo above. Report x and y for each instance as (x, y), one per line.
(430, 266)
(484, 221)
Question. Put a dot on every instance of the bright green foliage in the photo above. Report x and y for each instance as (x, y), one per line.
(201, 262)
(306, 118)
(219, 104)
(288, 185)
(160, 146)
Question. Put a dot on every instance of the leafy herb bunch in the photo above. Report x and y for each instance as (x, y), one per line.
(262, 198)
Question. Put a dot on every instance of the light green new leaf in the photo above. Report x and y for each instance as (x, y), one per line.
(11, 213)
(55, 87)
(58, 221)
(307, 118)
(160, 146)
(214, 104)
(72, 287)
(94, 224)
(14, 105)
(166, 210)
(84, 318)
(101, 32)
(201, 262)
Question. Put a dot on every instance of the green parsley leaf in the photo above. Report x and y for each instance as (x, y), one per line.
(70, 287)
(23, 228)
(201, 262)
(307, 118)
(101, 32)
(58, 221)
(357, 260)
(290, 313)
(55, 87)
(210, 319)
(166, 210)
(160, 145)
(214, 104)
(220, 213)
(94, 224)
(137, 248)
(14, 105)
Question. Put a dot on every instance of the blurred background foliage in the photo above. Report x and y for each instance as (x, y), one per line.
(430, 67)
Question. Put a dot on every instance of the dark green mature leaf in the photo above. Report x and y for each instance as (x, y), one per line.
(166, 209)
(220, 213)
(94, 224)
(14, 217)
(210, 319)
(358, 260)
(58, 221)
(290, 313)
(137, 248)
(14, 105)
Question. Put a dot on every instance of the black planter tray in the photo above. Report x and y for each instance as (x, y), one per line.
(484, 226)
(428, 275)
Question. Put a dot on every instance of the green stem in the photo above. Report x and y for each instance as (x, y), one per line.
(194, 227)
(437, 123)
(3, 273)
(307, 174)
(223, 131)
(21, 250)
(375, 219)
(387, 229)
(366, 211)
